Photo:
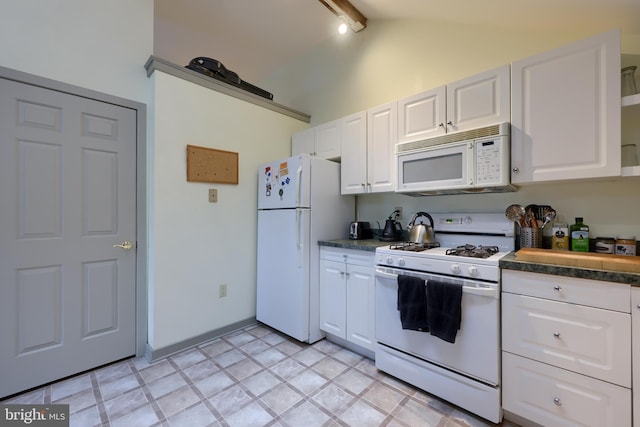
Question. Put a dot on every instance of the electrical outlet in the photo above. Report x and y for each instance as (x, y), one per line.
(213, 195)
(399, 209)
(222, 291)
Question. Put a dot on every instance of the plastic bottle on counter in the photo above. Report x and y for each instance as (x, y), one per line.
(580, 236)
(560, 236)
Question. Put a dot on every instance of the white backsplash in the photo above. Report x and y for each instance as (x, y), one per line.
(609, 208)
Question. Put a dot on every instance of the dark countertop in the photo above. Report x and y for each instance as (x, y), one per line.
(509, 262)
(369, 245)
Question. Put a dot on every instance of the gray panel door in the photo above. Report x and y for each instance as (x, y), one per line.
(67, 196)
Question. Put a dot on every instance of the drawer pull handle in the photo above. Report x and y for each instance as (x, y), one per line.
(557, 288)
(556, 401)
(556, 334)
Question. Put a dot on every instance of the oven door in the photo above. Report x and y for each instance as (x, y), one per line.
(476, 351)
(443, 167)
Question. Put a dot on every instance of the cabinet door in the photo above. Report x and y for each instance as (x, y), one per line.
(551, 396)
(333, 298)
(327, 140)
(422, 115)
(566, 112)
(585, 340)
(382, 135)
(635, 351)
(360, 306)
(353, 163)
(589, 292)
(303, 142)
(480, 100)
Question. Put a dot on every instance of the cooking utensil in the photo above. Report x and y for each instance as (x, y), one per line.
(530, 215)
(549, 215)
(515, 213)
(421, 233)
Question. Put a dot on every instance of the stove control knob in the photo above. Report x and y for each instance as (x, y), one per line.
(455, 269)
(473, 271)
(467, 220)
(389, 260)
(401, 262)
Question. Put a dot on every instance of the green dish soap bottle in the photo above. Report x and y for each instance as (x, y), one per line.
(579, 236)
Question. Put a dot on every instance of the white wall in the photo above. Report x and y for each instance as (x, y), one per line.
(197, 245)
(99, 45)
(389, 60)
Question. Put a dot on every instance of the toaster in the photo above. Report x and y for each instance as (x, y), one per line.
(360, 230)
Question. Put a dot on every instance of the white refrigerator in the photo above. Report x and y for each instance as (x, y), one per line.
(299, 203)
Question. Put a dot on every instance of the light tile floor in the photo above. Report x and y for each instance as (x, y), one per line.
(252, 377)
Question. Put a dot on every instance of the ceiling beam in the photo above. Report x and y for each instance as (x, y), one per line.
(345, 10)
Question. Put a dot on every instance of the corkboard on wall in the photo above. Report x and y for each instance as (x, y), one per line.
(211, 165)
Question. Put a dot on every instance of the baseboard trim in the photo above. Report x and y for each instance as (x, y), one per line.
(352, 346)
(154, 354)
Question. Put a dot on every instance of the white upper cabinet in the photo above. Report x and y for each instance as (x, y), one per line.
(480, 100)
(353, 167)
(322, 141)
(382, 136)
(327, 138)
(565, 118)
(422, 115)
(368, 163)
(303, 142)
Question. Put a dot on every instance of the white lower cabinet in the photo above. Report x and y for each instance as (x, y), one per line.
(552, 396)
(635, 351)
(347, 295)
(566, 344)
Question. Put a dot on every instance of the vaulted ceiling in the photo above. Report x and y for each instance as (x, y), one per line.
(254, 37)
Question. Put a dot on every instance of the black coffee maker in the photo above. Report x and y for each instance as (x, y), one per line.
(392, 229)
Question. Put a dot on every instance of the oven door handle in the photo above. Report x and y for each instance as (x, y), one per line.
(483, 291)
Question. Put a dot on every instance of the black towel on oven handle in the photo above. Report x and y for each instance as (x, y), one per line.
(444, 309)
(412, 303)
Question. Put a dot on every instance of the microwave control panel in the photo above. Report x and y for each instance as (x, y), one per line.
(489, 161)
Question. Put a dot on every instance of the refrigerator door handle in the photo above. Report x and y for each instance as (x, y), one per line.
(298, 239)
(299, 181)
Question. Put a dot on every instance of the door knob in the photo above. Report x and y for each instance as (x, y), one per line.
(126, 245)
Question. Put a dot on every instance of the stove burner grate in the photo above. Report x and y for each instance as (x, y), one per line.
(414, 247)
(473, 251)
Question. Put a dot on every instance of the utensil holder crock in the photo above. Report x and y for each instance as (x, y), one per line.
(530, 237)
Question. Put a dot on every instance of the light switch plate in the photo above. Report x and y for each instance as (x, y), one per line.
(213, 195)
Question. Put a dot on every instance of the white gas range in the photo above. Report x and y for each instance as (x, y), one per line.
(465, 372)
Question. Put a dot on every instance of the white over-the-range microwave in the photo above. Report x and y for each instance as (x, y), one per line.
(472, 161)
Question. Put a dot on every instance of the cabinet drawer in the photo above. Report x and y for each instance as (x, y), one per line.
(582, 339)
(594, 293)
(551, 396)
(350, 256)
